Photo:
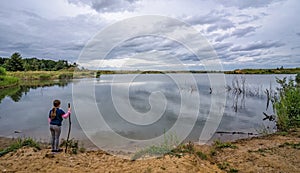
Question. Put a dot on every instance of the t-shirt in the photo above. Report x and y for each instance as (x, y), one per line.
(58, 118)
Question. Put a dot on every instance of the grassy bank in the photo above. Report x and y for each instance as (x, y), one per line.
(50, 75)
(8, 81)
(265, 71)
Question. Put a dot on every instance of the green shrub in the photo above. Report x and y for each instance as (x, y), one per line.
(2, 71)
(6, 81)
(297, 79)
(288, 105)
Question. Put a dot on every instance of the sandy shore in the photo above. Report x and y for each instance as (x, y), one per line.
(272, 153)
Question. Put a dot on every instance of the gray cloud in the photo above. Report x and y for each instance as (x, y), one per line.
(221, 24)
(210, 18)
(246, 3)
(244, 31)
(237, 29)
(257, 45)
(108, 5)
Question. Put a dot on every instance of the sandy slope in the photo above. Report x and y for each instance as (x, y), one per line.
(274, 153)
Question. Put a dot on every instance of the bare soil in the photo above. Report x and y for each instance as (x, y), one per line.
(272, 153)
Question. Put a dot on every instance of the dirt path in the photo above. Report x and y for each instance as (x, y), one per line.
(273, 153)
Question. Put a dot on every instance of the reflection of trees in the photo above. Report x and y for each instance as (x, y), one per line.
(19, 93)
(16, 93)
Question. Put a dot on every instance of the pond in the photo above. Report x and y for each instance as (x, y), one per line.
(161, 99)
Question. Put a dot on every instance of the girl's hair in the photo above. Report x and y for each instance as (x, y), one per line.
(56, 103)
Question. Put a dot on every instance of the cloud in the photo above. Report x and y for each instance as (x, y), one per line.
(108, 5)
(243, 31)
(246, 3)
(257, 45)
(221, 24)
(240, 31)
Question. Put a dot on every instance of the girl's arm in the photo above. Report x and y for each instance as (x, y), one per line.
(49, 120)
(66, 115)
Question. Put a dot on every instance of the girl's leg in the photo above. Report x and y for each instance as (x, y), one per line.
(52, 137)
(57, 134)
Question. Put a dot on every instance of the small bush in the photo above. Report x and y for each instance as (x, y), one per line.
(73, 146)
(297, 79)
(6, 81)
(2, 71)
(287, 105)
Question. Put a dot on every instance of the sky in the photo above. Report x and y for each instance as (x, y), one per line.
(242, 33)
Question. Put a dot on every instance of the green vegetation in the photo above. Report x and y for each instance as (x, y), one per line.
(293, 145)
(297, 79)
(201, 155)
(219, 145)
(73, 145)
(280, 70)
(50, 75)
(7, 81)
(2, 71)
(14, 63)
(17, 63)
(19, 143)
(156, 150)
(287, 105)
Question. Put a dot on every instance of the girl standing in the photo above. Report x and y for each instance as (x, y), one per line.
(56, 116)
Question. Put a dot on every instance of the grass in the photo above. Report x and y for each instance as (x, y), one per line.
(19, 143)
(157, 150)
(293, 145)
(201, 155)
(8, 81)
(219, 145)
(50, 75)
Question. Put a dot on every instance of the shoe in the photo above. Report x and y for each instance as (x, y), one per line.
(56, 151)
(59, 150)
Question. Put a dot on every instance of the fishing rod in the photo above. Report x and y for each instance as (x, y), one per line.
(67, 143)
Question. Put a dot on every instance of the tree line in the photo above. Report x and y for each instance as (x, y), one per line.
(16, 63)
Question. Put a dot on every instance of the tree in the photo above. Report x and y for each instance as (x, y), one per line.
(15, 63)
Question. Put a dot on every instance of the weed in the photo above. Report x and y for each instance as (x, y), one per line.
(223, 165)
(219, 145)
(293, 145)
(213, 152)
(72, 145)
(19, 143)
(201, 155)
(232, 170)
